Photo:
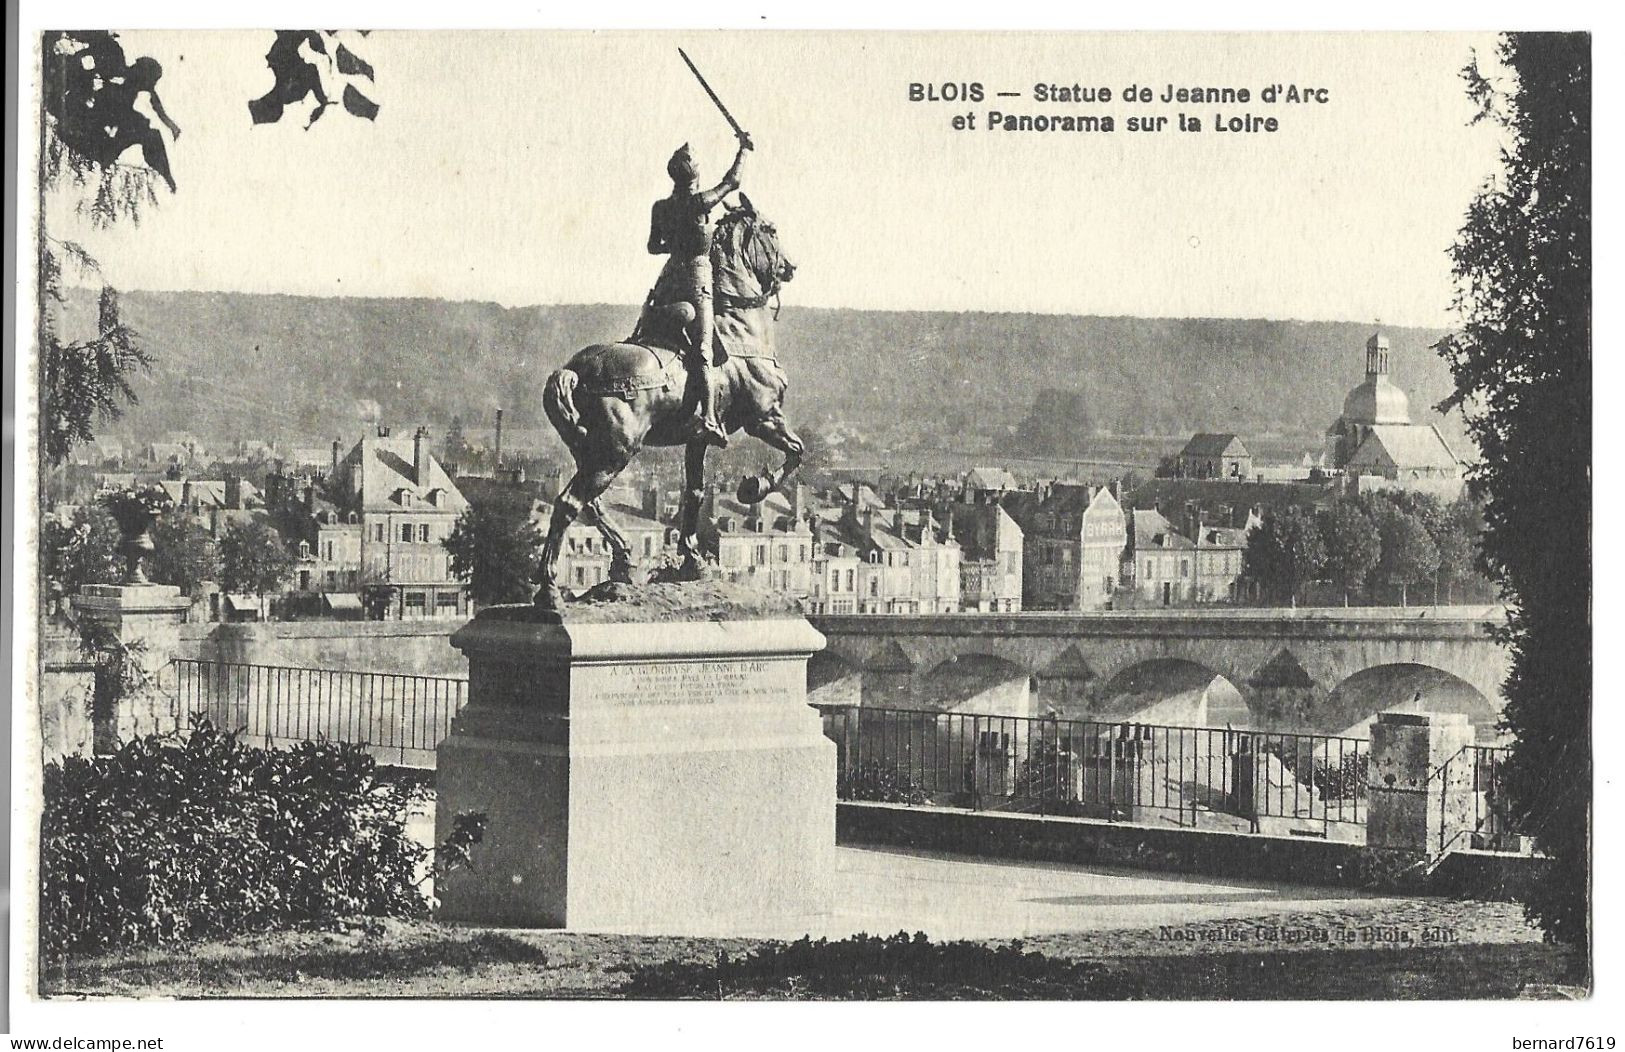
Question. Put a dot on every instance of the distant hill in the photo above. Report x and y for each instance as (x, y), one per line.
(294, 368)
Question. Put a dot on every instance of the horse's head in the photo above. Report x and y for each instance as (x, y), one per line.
(747, 249)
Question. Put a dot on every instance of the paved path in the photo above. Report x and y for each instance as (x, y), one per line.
(883, 891)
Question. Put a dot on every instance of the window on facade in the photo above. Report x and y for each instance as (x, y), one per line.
(445, 601)
(304, 549)
(332, 579)
(406, 533)
(1184, 567)
(581, 575)
(423, 533)
(648, 545)
(801, 554)
(327, 550)
(378, 532)
(416, 603)
(784, 553)
(850, 575)
(904, 557)
(874, 586)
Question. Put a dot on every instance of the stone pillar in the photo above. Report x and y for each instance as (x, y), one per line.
(658, 778)
(143, 621)
(1419, 782)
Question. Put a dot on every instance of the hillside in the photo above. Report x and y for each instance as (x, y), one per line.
(234, 365)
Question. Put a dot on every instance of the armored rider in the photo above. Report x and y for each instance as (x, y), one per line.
(680, 228)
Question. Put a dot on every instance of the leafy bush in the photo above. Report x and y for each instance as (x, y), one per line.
(176, 838)
(869, 967)
(879, 782)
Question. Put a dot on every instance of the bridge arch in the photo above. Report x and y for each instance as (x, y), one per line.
(832, 679)
(1407, 686)
(1179, 691)
(977, 682)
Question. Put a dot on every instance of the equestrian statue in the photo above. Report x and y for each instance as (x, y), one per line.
(699, 366)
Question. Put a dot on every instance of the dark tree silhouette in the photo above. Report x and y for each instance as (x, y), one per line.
(184, 554)
(253, 558)
(1522, 366)
(1285, 553)
(1352, 544)
(494, 547)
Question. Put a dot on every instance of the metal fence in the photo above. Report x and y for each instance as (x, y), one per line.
(1474, 809)
(401, 718)
(1306, 784)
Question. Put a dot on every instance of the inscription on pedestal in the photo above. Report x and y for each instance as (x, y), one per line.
(688, 682)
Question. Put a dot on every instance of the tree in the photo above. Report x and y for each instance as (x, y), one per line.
(1409, 556)
(93, 105)
(1352, 544)
(84, 551)
(1522, 367)
(1285, 553)
(494, 546)
(253, 558)
(1058, 425)
(1457, 541)
(184, 554)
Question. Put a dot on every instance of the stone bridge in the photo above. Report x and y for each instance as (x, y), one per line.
(1323, 670)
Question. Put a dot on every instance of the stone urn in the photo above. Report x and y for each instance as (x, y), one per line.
(135, 516)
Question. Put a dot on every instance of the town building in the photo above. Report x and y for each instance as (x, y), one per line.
(325, 540)
(407, 506)
(1158, 564)
(768, 544)
(990, 556)
(215, 504)
(1072, 544)
(1215, 456)
(1375, 445)
(872, 558)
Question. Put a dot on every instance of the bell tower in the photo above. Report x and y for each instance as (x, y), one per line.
(1376, 355)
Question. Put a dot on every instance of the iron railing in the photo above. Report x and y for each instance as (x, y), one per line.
(1256, 781)
(1474, 809)
(400, 717)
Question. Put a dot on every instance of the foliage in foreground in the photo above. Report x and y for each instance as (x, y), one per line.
(872, 967)
(1522, 365)
(880, 783)
(201, 836)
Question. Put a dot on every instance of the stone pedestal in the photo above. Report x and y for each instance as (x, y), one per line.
(1419, 783)
(144, 621)
(636, 776)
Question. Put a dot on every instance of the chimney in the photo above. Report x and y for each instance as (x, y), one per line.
(651, 503)
(499, 440)
(186, 494)
(336, 448)
(798, 504)
(234, 491)
(420, 456)
(383, 430)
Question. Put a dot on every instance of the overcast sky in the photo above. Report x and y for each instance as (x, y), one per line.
(519, 167)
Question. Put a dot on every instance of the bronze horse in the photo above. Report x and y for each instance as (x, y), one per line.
(611, 400)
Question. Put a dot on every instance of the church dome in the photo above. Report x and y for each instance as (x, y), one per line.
(1377, 401)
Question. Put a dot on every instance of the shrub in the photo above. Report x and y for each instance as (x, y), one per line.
(879, 782)
(201, 836)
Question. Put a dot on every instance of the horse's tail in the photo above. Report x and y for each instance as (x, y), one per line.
(558, 398)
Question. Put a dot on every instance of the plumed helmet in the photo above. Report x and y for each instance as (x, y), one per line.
(681, 167)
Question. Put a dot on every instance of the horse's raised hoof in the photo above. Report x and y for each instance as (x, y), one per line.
(753, 489)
